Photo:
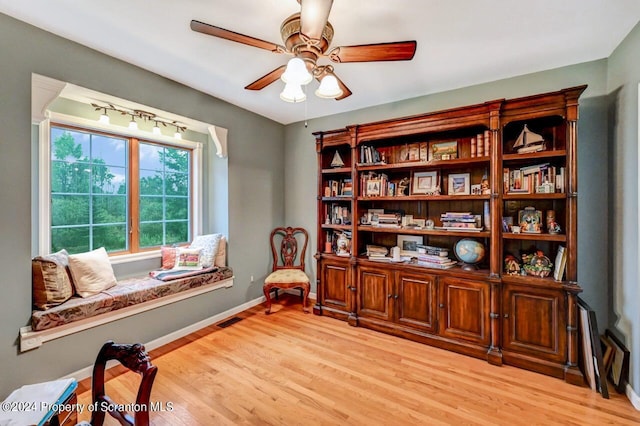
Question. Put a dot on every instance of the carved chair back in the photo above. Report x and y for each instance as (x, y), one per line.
(287, 238)
(136, 359)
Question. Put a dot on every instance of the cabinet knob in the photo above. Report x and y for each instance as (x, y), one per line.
(395, 297)
(389, 296)
(441, 305)
(506, 315)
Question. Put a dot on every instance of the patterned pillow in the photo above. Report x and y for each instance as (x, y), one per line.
(188, 258)
(51, 285)
(91, 272)
(168, 257)
(221, 255)
(209, 244)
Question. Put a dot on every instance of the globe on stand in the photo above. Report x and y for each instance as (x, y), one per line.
(470, 252)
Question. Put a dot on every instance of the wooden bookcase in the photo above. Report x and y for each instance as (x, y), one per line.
(372, 175)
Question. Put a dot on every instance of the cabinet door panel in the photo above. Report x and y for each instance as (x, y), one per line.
(416, 300)
(535, 322)
(465, 307)
(374, 293)
(335, 278)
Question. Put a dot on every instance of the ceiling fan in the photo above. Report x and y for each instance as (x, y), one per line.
(307, 35)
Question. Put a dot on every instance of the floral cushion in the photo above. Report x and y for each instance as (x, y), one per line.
(51, 285)
(125, 293)
(287, 276)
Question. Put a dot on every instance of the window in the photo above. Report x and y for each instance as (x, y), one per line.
(117, 192)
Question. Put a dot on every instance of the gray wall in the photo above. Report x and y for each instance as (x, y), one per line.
(252, 206)
(593, 268)
(622, 85)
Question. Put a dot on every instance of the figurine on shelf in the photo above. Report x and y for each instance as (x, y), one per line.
(342, 245)
(552, 225)
(539, 265)
(403, 186)
(511, 265)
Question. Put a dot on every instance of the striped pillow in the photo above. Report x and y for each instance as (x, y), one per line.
(51, 285)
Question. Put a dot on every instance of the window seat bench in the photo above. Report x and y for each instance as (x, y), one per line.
(78, 313)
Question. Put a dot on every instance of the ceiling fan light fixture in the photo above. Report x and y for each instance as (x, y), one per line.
(329, 88)
(292, 93)
(133, 125)
(296, 72)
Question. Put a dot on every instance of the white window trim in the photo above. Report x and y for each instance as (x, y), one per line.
(44, 196)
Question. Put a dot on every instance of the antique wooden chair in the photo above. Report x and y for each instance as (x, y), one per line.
(288, 264)
(135, 358)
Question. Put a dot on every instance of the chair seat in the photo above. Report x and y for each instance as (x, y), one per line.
(284, 276)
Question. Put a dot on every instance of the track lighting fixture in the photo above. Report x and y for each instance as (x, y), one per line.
(139, 115)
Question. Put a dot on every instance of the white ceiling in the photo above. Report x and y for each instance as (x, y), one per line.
(460, 42)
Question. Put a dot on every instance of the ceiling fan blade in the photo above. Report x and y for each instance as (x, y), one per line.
(345, 90)
(313, 17)
(397, 51)
(266, 80)
(212, 30)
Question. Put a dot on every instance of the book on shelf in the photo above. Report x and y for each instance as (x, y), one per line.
(432, 250)
(457, 228)
(436, 265)
(560, 263)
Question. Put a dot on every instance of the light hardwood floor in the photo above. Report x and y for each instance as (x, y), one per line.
(289, 368)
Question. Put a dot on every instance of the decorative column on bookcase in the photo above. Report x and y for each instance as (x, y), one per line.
(572, 372)
(494, 356)
(352, 319)
(317, 308)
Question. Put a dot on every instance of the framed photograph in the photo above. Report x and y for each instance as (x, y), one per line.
(410, 152)
(409, 244)
(459, 184)
(444, 150)
(373, 188)
(424, 182)
(619, 372)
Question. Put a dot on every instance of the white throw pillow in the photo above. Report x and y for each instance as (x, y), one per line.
(91, 272)
(188, 258)
(209, 244)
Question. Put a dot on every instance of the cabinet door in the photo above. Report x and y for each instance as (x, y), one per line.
(375, 293)
(464, 310)
(336, 286)
(534, 322)
(416, 303)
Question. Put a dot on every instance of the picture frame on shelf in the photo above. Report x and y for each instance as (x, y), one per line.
(619, 372)
(424, 182)
(443, 151)
(373, 188)
(459, 184)
(409, 153)
(409, 244)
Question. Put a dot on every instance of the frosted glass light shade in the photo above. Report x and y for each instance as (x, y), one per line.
(156, 130)
(133, 125)
(177, 135)
(296, 72)
(292, 93)
(104, 118)
(329, 88)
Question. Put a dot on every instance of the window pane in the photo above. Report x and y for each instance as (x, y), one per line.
(70, 178)
(177, 184)
(176, 160)
(150, 209)
(177, 208)
(150, 157)
(110, 209)
(150, 183)
(109, 180)
(150, 234)
(177, 232)
(69, 145)
(74, 240)
(69, 210)
(110, 151)
(111, 237)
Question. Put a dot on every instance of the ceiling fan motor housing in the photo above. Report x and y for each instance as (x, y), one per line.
(301, 46)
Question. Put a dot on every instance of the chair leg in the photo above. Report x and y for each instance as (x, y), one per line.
(306, 289)
(276, 290)
(301, 293)
(267, 294)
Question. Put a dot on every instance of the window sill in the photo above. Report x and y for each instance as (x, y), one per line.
(30, 339)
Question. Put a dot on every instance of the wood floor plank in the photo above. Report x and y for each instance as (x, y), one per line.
(289, 368)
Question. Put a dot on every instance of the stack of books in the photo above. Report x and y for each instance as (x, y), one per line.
(434, 257)
(377, 253)
(387, 220)
(460, 221)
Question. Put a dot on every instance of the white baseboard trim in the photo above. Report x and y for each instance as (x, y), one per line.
(633, 397)
(30, 339)
(156, 343)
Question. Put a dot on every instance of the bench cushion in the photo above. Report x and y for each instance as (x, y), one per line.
(126, 293)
